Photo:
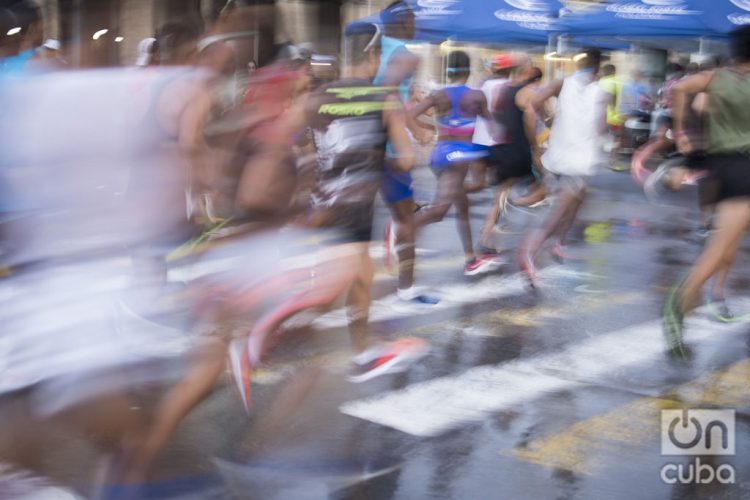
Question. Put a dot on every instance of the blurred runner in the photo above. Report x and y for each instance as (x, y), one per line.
(612, 84)
(398, 67)
(511, 158)
(501, 66)
(728, 159)
(458, 107)
(574, 153)
(351, 121)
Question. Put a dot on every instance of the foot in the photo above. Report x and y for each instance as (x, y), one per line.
(483, 264)
(415, 296)
(719, 310)
(560, 254)
(394, 357)
(673, 321)
(526, 263)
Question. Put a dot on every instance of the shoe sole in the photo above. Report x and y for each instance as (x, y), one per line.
(485, 269)
(398, 364)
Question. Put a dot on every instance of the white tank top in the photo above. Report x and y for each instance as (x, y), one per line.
(481, 129)
(575, 143)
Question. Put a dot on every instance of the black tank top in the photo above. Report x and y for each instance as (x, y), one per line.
(350, 138)
(509, 115)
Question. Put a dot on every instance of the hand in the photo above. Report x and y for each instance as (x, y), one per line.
(683, 143)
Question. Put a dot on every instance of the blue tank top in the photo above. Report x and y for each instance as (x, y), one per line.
(389, 46)
(455, 123)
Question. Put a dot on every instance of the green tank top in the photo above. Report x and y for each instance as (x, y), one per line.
(729, 112)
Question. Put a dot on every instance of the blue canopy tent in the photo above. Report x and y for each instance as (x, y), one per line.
(641, 19)
(483, 21)
(722, 16)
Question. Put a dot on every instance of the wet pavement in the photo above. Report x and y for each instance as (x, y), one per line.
(554, 394)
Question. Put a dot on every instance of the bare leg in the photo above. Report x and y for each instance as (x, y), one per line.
(501, 196)
(403, 216)
(358, 302)
(450, 188)
(567, 201)
(176, 405)
(478, 175)
(732, 217)
(569, 217)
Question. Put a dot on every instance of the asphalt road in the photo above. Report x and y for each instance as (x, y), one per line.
(555, 394)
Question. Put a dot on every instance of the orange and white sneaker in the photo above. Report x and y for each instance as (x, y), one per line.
(394, 357)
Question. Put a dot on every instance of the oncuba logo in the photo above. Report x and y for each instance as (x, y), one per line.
(531, 14)
(651, 9)
(697, 433)
(430, 9)
(736, 18)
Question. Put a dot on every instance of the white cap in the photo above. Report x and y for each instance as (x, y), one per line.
(145, 51)
(52, 44)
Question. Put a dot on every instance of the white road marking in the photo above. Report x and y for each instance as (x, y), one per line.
(436, 406)
(451, 295)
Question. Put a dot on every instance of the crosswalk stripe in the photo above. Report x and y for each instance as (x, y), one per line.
(436, 406)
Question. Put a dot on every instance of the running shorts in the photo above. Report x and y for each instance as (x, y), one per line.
(731, 173)
(508, 161)
(397, 186)
(572, 184)
(449, 153)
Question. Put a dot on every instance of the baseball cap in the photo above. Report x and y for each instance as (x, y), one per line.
(504, 61)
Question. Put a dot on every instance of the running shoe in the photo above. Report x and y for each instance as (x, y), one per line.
(719, 310)
(483, 264)
(395, 357)
(415, 297)
(673, 323)
(389, 240)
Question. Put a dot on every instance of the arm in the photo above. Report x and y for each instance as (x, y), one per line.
(532, 105)
(692, 85)
(394, 119)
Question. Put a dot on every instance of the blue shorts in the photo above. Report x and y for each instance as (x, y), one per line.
(448, 153)
(396, 185)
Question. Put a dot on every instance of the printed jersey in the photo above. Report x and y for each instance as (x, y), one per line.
(350, 137)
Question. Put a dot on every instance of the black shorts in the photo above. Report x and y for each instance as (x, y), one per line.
(729, 175)
(508, 161)
(352, 220)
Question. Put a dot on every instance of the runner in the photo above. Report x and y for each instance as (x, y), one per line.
(728, 159)
(574, 153)
(397, 68)
(501, 65)
(511, 158)
(457, 109)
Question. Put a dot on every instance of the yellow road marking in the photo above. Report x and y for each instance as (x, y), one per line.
(579, 448)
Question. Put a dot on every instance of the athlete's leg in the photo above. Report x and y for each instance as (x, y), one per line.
(567, 203)
(478, 177)
(403, 217)
(732, 217)
(569, 217)
(449, 190)
(179, 401)
(358, 301)
(498, 204)
(463, 222)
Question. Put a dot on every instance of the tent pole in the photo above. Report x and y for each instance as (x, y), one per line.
(549, 65)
